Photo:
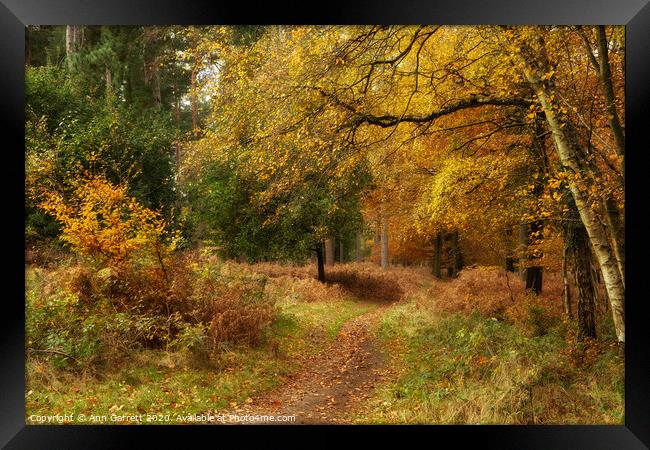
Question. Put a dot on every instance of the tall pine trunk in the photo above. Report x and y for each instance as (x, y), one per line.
(194, 98)
(70, 34)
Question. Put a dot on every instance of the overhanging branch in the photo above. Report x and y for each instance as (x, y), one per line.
(386, 121)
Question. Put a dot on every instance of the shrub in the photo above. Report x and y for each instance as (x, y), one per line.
(100, 221)
(534, 315)
(84, 318)
(492, 292)
(193, 341)
(234, 305)
(63, 330)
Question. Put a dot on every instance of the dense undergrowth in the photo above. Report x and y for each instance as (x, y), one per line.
(206, 334)
(470, 354)
(209, 336)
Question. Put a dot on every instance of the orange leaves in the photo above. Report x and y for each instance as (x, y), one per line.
(102, 221)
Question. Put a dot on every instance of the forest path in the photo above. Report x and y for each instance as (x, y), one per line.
(332, 385)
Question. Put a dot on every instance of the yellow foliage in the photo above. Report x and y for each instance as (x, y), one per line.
(101, 221)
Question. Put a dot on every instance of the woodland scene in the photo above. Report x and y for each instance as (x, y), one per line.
(416, 224)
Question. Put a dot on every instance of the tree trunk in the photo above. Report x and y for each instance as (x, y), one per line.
(109, 83)
(566, 288)
(437, 253)
(608, 90)
(534, 279)
(357, 244)
(329, 251)
(457, 257)
(581, 259)
(341, 258)
(617, 233)
(321, 266)
(194, 99)
(155, 85)
(384, 243)
(510, 258)
(534, 273)
(523, 250)
(177, 120)
(572, 157)
(69, 44)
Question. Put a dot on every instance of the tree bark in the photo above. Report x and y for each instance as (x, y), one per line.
(510, 258)
(177, 121)
(617, 234)
(341, 257)
(566, 288)
(69, 44)
(523, 250)
(194, 99)
(534, 274)
(108, 76)
(357, 249)
(437, 253)
(457, 257)
(384, 243)
(321, 265)
(329, 251)
(581, 259)
(610, 99)
(573, 158)
(155, 85)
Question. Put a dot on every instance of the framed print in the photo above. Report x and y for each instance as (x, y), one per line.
(398, 216)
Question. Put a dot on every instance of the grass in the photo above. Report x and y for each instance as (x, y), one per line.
(459, 352)
(164, 387)
(154, 386)
(325, 316)
(459, 368)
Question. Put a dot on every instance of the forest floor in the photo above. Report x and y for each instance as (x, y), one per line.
(334, 383)
(369, 346)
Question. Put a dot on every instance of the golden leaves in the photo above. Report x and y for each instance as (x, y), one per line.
(102, 221)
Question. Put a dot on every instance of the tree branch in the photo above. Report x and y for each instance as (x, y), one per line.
(386, 121)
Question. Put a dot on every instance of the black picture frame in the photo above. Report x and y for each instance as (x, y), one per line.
(16, 14)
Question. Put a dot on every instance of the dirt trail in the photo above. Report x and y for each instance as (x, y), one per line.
(333, 384)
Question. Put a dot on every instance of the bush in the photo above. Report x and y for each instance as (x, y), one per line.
(193, 341)
(64, 330)
(534, 315)
(492, 292)
(82, 317)
(103, 223)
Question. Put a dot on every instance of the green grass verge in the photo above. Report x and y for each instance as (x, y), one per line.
(473, 369)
